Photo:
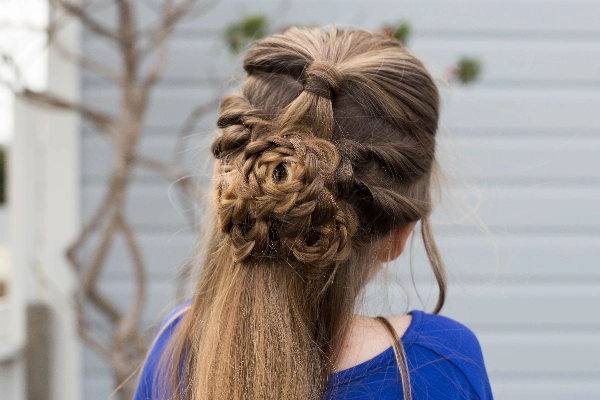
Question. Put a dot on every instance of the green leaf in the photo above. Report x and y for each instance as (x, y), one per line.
(468, 70)
(238, 35)
(402, 32)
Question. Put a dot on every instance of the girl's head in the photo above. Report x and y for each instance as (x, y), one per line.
(327, 152)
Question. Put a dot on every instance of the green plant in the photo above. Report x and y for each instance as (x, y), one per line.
(250, 28)
(401, 31)
(467, 70)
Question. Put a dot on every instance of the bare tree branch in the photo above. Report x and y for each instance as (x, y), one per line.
(94, 343)
(80, 13)
(126, 328)
(90, 227)
(103, 121)
(91, 274)
(129, 50)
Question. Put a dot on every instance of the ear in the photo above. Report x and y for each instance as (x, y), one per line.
(392, 245)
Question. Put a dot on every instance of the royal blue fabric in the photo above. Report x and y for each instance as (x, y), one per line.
(444, 359)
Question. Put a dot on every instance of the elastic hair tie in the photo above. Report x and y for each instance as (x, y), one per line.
(323, 79)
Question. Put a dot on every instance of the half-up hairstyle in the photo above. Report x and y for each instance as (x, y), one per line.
(328, 148)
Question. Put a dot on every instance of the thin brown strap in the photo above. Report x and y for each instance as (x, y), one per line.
(400, 357)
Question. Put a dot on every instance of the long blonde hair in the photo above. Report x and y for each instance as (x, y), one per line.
(329, 147)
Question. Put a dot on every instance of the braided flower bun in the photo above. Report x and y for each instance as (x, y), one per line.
(277, 196)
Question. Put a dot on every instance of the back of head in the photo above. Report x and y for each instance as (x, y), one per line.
(329, 147)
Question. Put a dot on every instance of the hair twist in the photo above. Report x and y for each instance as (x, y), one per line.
(323, 79)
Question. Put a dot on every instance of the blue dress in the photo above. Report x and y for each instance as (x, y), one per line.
(444, 360)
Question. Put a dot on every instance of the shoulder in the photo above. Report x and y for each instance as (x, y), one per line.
(445, 335)
(161, 338)
(439, 341)
(366, 338)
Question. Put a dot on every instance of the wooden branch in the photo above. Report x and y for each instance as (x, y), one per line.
(126, 327)
(87, 337)
(90, 227)
(80, 13)
(128, 35)
(103, 121)
(92, 273)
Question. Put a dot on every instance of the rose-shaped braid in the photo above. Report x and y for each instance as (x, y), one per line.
(277, 199)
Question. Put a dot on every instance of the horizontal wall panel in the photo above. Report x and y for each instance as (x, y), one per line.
(515, 62)
(544, 353)
(168, 106)
(542, 160)
(531, 206)
(480, 107)
(163, 254)
(546, 389)
(494, 307)
(518, 259)
(198, 59)
(155, 207)
(193, 158)
(99, 386)
(160, 295)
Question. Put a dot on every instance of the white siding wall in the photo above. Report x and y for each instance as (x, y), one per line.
(526, 135)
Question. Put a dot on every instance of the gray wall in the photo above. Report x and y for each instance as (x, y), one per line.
(526, 137)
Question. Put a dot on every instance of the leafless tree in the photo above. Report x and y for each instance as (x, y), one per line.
(127, 344)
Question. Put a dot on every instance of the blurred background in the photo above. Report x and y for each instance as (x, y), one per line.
(107, 112)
